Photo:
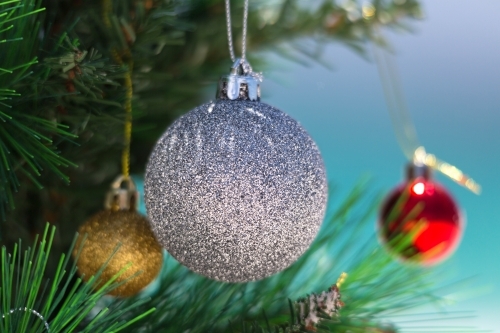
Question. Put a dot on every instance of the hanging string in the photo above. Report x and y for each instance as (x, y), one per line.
(107, 9)
(45, 323)
(405, 132)
(230, 33)
(245, 27)
(128, 122)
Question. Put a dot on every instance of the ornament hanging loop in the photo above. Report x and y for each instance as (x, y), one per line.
(122, 195)
(405, 131)
(421, 157)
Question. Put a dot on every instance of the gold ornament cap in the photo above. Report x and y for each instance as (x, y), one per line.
(123, 195)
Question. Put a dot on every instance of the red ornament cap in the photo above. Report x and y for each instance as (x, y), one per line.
(420, 221)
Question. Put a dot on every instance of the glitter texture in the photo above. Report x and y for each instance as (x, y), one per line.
(236, 190)
(105, 230)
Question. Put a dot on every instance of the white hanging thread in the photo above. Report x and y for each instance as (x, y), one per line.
(230, 34)
(33, 312)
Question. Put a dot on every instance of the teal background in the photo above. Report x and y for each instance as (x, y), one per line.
(450, 73)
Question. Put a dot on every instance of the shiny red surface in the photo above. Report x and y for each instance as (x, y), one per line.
(420, 222)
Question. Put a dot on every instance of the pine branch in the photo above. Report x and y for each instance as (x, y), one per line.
(178, 48)
(307, 314)
(32, 304)
(317, 308)
(27, 141)
(377, 285)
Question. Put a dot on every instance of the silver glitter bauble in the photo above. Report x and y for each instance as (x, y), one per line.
(235, 190)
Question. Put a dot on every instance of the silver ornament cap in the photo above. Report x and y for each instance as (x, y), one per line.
(241, 84)
(236, 189)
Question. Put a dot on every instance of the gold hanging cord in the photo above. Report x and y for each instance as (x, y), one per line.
(405, 132)
(106, 12)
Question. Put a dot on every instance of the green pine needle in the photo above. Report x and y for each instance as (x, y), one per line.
(63, 304)
(376, 285)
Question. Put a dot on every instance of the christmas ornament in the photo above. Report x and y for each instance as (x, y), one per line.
(236, 189)
(119, 224)
(419, 220)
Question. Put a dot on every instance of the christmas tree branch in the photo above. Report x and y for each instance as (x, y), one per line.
(178, 48)
(61, 71)
(377, 285)
(27, 144)
(30, 303)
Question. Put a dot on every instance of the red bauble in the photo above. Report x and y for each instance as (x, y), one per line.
(419, 221)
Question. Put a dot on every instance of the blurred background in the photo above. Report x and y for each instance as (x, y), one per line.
(450, 72)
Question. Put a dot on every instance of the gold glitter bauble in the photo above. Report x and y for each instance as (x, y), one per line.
(105, 231)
